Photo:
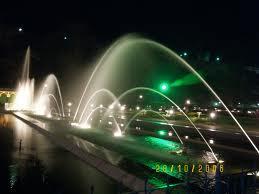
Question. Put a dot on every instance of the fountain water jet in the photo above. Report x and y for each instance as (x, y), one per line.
(56, 102)
(164, 96)
(108, 92)
(152, 111)
(25, 90)
(47, 92)
(191, 69)
(106, 55)
(118, 131)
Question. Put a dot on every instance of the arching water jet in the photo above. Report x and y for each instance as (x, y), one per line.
(152, 111)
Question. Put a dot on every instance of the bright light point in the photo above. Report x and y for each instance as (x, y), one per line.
(164, 87)
(221, 161)
(69, 104)
(111, 107)
(212, 115)
(179, 151)
(101, 105)
(65, 38)
(185, 54)
(137, 108)
(140, 97)
(211, 141)
(110, 123)
(188, 102)
(20, 29)
(171, 112)
(92, 105)
(123, 108)
(85, 126)
(117, 134)
(161, 132)
(170, 134)
(100, 120)
(186, 137)
(49, 115)
(123, 117)
(74, 124)
(217, 58)
(122, 125)
(45, 85)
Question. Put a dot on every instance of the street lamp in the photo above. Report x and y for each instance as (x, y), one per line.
(20, 29)
(140, 97)
(69, 104)
(188, 102)
(212, 115)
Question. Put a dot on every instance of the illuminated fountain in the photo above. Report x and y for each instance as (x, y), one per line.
(25, 90)
(46, 103)
(120, 63)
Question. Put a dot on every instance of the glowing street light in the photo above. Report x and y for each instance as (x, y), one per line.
(171, 111)
(20, 29)
(170, 133)
(221, 161)
(217, 59)
(188, 101)
(137, 108)
(69, 104)
(140, 97)
(212, 115)
(211, 141)
(185, 54)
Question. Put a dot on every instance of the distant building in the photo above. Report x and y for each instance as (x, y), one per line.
(6, 95)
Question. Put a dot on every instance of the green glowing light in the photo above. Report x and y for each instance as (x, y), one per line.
(189, 79)
(161, 132)
(164, 87)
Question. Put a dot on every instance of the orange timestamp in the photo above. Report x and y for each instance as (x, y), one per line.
(186, 168)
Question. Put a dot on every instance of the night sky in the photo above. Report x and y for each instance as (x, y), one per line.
(229, 29)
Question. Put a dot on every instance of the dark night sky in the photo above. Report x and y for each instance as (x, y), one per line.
(226, 27)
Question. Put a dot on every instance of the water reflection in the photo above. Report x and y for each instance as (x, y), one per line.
(42, 167)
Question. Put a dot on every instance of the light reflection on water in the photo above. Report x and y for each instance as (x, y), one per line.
(60, 166)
